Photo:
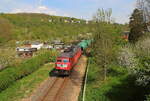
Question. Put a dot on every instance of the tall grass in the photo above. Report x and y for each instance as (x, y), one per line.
(25, 87)
(10, 75)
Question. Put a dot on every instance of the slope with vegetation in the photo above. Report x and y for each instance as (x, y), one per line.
(40, 27)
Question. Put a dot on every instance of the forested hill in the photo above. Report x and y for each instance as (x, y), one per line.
(32, 26)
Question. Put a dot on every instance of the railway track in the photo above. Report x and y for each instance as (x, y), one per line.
(61, 89)
(55, 90)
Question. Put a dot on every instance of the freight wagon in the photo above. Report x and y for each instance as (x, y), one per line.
(84, 44)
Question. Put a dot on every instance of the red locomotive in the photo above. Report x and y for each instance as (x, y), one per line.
(66, 60)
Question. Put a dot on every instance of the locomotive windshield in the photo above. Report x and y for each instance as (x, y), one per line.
(63, 60)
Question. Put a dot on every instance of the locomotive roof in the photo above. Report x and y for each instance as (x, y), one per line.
(69, 53)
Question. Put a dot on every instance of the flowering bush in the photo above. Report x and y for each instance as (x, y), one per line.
(127, 58)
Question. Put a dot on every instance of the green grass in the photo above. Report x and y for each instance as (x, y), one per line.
(100, 90)
(119, 85)
(24, 87)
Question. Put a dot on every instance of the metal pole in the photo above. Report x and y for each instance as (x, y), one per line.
(84, 89)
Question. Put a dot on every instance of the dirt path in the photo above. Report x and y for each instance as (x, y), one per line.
(71, 89)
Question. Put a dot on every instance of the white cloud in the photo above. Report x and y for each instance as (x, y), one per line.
(40, 9)
(19, 7)
(44, 9)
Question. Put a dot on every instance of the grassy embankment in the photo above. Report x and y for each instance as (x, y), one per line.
(10, 75)
(24, 88)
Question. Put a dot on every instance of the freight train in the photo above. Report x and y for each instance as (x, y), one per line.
(66, 60)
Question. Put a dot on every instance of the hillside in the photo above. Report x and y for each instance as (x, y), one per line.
(27, 26)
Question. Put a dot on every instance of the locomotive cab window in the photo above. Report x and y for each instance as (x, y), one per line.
(65, 60)
(59, 61)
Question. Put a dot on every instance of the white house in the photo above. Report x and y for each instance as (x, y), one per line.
(72, 21)
(50, 20)
(78, 21)
(66, 21)
(22, 49)
(47, 47)
(37, 45)
(87, 22)
(25, 49)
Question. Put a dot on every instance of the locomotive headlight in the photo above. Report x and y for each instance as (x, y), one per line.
(64, 65)
(58, 65)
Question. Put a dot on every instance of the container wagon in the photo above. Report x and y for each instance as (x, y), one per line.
(84, 44)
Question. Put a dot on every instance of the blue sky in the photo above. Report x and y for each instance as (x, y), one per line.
(122, 9)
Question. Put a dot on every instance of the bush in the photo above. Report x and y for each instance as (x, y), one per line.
(10, 75)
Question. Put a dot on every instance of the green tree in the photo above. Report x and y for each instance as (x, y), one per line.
(103, 40)
(137, 26)
(102, 48)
